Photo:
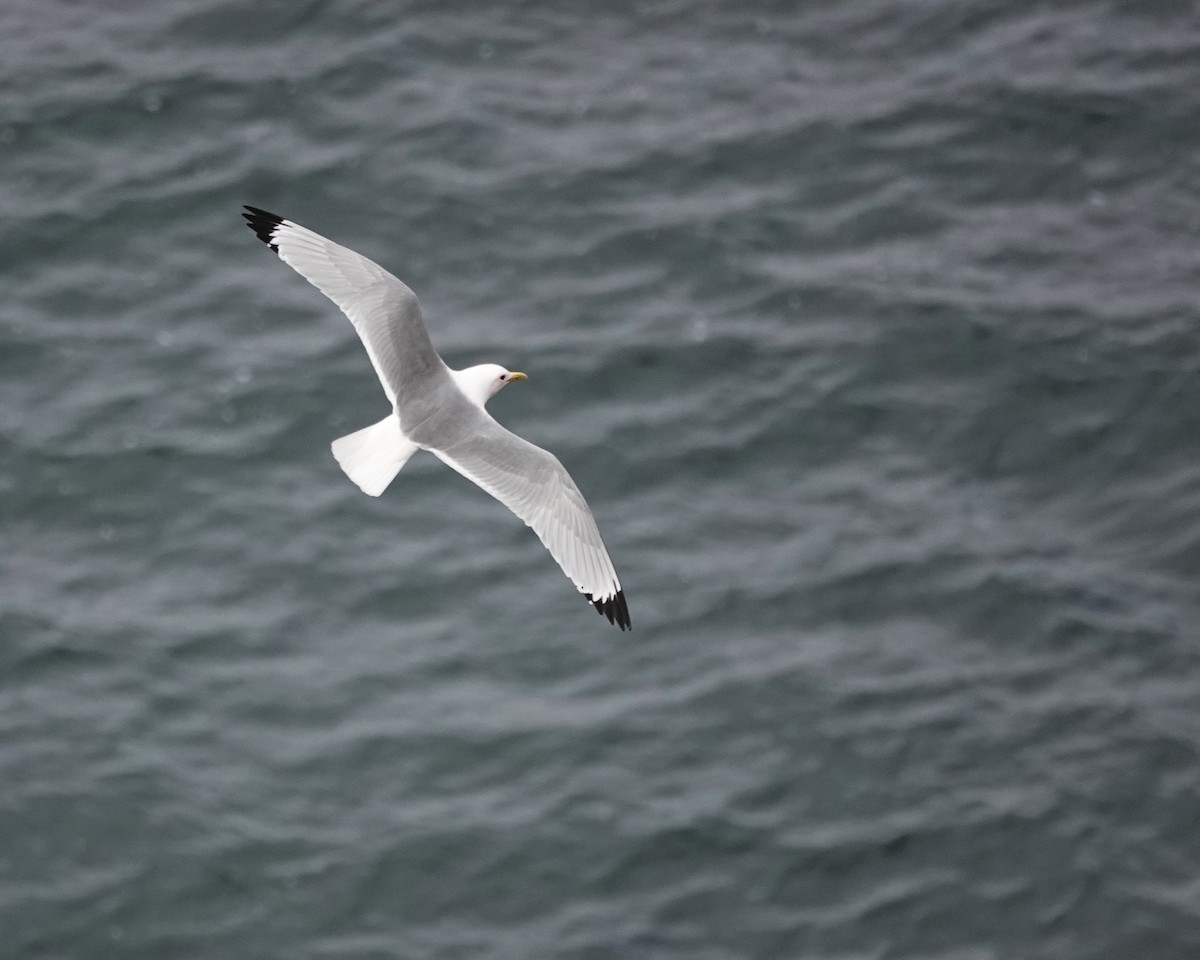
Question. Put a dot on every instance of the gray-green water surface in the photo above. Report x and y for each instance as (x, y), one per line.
(870, 332)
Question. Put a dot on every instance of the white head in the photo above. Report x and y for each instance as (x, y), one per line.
(483, 382)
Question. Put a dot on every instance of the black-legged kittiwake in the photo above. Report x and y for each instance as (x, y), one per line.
(441, 410)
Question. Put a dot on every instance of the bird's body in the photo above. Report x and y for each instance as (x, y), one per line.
(443, 411)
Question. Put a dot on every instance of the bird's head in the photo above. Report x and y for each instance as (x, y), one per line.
(483, 382)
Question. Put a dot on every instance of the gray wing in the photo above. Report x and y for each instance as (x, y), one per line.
(384, 311)
(537, 488)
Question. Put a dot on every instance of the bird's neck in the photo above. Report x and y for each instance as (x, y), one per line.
(475, 385)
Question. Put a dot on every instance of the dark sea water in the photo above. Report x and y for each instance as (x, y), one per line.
(871, 331)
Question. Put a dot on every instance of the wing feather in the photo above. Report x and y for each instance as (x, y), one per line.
(383, 310)
(533, 484)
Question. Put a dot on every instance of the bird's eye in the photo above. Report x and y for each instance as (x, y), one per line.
(503, 375)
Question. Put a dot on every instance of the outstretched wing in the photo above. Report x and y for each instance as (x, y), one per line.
(384, 311)
(537, 488)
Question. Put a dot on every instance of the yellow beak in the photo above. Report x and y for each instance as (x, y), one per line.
(516, 376)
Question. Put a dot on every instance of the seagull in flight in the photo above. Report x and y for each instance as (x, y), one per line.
(441, 410)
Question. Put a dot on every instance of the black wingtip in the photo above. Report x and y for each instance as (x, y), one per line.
(615, 608)
(263, 224)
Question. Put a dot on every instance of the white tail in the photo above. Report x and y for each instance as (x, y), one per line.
(374, 455)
